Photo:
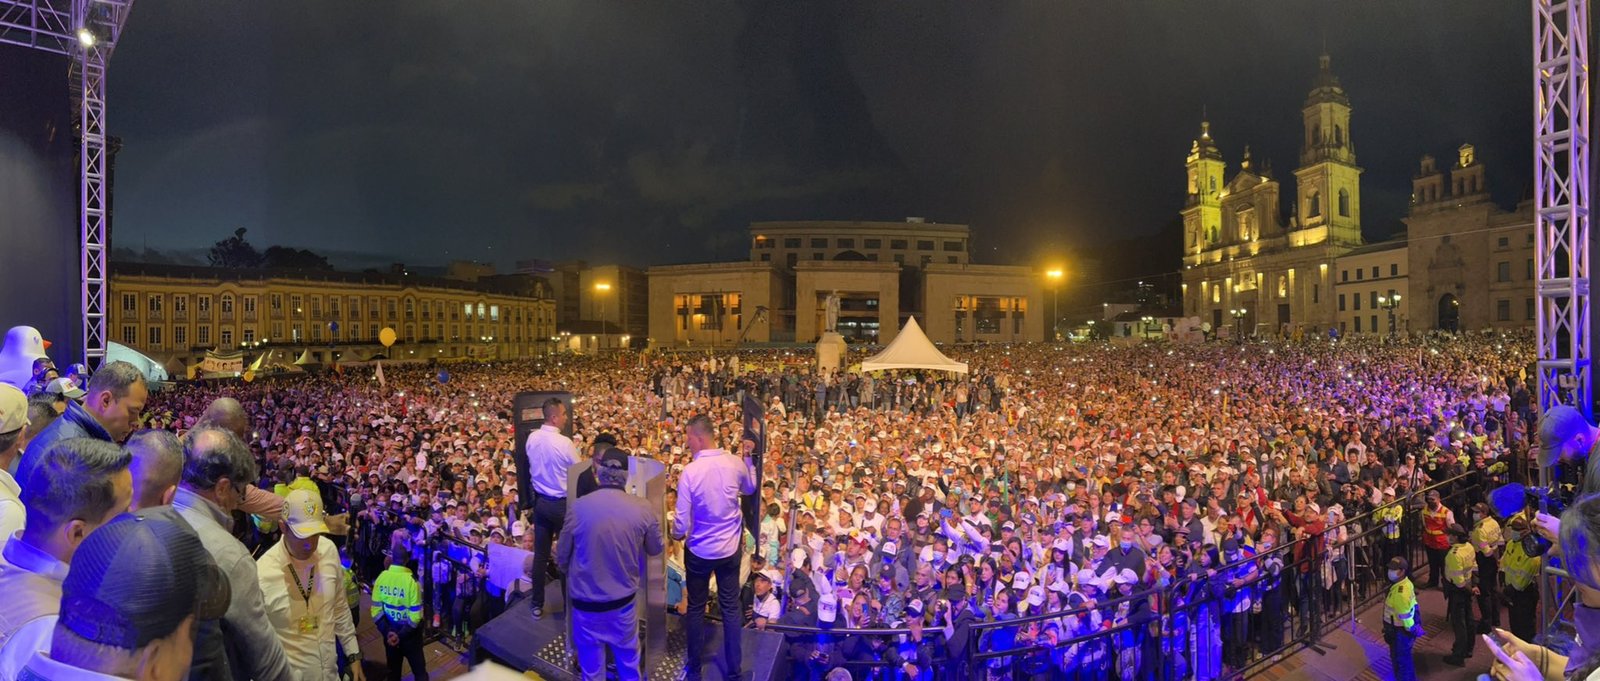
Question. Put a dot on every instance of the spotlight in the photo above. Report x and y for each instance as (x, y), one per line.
(86, 38)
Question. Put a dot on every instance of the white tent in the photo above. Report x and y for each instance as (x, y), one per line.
(152, 370)
(911, 349)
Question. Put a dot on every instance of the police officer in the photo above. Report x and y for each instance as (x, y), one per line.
(1487, 542)
(1521, 572)
(1389, 516)
(397, 612)
(1401, 620)
(1460, 585)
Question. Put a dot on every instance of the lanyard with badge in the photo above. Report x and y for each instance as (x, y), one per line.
(308, 621)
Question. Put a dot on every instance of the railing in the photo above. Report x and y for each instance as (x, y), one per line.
(1233, 622)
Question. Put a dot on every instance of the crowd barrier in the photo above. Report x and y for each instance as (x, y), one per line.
(1192, 628)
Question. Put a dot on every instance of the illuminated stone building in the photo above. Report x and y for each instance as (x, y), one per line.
(1242, 253)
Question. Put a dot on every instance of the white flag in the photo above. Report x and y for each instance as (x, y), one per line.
(381, 382)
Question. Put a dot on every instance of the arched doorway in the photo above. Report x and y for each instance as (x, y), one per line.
(1449, 313)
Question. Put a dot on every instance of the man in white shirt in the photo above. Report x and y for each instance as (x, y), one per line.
(550, 455)
(13, 439)
(302, 586)
(708, 517)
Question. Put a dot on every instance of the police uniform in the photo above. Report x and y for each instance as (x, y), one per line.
(1460, 568)
(397, 609)
(1390, 516)
(1400, 627)
(1521, 573)
(1486, 541)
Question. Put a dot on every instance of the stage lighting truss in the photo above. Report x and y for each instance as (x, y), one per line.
(86, 31)
(1562, 207)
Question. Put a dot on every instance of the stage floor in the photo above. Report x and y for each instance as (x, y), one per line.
(518, 641)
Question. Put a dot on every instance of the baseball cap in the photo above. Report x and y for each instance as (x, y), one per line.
(1556, 426)
(303, 514)
(65, 388)
(615, 459)
(13, 409)
(1036, 596)
(827, 608)
(136, 578)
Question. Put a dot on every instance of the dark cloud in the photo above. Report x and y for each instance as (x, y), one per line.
(653, 132)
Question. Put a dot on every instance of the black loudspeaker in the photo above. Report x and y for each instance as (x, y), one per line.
(527, 414)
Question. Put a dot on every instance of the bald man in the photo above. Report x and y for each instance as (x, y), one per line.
(157, 468)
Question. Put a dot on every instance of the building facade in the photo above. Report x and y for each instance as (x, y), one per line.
(174, 314)
(1242, 253)
(1471, 262)
(1372, 292)
(882, 272)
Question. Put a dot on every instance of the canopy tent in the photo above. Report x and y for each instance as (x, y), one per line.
(911, 349)
(152, 370)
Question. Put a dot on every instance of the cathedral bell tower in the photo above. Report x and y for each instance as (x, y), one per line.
(1328, 179)
(1202, 213)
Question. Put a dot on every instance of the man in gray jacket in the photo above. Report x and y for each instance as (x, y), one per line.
(242, 645)
(604, 540)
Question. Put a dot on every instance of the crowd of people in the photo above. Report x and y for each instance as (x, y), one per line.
(1073, 479)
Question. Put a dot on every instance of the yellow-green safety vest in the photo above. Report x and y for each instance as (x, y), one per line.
(397, 597)
(1390, 517)
(1486, 536)
(1459, 565)
(1400, 608)
(1519, 568)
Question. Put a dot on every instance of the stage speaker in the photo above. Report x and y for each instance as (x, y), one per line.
(527, 413)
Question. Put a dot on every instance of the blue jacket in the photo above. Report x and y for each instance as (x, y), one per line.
(76, 422)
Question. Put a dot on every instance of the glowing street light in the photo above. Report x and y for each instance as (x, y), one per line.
(603, 287)
(1055, 276)
(1389, 303)
(1239, 314)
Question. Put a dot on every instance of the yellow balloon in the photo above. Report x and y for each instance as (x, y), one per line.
(249, 376)
(386, 336)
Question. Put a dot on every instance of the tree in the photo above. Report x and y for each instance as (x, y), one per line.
(293, 258)
(234, 252)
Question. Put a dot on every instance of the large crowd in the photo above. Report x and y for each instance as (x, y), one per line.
(1048, 479)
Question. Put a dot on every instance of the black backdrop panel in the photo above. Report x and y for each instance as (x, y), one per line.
(40, 279)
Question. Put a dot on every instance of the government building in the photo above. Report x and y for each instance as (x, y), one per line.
(883, 273)
(175, 314)
(1463, 263)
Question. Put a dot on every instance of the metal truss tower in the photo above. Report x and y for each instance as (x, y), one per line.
(1562, 208)
(85, 31)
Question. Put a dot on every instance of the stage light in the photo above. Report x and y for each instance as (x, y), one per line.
(86, 38)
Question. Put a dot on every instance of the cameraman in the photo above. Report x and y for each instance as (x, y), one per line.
(1565, 435)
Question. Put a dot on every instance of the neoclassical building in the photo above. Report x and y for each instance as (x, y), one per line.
(1242, 253)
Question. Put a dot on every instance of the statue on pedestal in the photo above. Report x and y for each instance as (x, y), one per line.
(830, 313)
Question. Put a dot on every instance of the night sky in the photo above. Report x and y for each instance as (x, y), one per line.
(649, 133)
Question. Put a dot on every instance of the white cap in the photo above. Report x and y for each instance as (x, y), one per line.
(827, 608)
(1036, 596)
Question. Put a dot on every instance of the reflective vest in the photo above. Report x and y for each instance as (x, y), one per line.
(1519, 568)
(1390, 516)
(1433, 527)
(397, 597)
(1459, 565)
(1400, 608)
(1486, 536)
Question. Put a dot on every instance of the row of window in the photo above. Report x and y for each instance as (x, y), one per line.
(1502, 271)
(1372, 298)
(792, 259)
(1344, 275)
(850, 242)
(298, 334)
(434, 310)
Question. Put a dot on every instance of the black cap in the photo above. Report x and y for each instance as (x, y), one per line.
(614, 458)
(136, 578)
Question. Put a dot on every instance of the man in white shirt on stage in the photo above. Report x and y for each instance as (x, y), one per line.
(550, 455)
(302, 586)
(708, 516)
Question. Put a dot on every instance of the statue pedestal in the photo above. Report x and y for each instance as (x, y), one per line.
(831, 352)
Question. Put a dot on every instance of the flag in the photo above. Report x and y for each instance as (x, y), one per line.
(379, 376)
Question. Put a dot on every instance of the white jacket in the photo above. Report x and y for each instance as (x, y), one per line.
(314, 656)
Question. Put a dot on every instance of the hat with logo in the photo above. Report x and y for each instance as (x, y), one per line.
(303, 514)
(65, 388)
(13, 409)
(827, 608)
(137, 578)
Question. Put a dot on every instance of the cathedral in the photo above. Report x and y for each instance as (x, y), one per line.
(1250, 268)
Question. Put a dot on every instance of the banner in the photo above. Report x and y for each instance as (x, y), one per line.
(222, 363)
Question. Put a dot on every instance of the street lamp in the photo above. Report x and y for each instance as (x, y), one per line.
(1238, 323)
(1146, 321)
(1389, 303)
(1055, 275)
(602, 287)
